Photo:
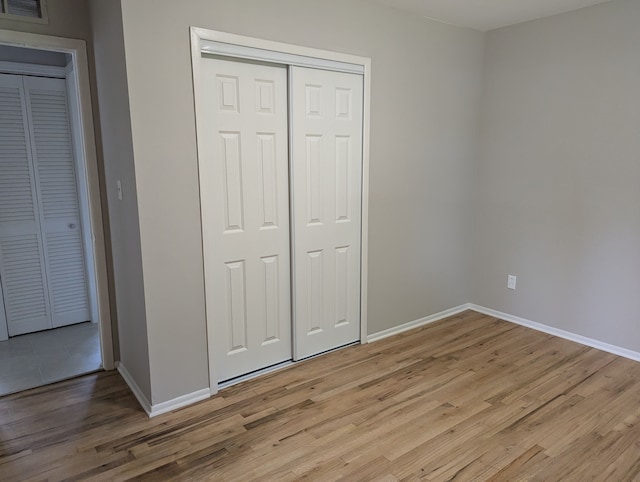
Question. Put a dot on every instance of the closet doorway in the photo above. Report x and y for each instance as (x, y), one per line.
(282, 153)
(52, 309)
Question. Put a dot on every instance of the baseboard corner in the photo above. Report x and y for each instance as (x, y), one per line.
(135, 389)
(381, 335)
(550, 330)
(179, 402)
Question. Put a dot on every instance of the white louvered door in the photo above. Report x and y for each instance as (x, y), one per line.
(22, 266)
(42, 270)
(54, 169)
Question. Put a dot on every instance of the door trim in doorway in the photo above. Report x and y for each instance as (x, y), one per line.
(239, 46)
(78, 51)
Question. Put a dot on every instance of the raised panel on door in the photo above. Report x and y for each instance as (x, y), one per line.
(326, 116)
(55, 173)
(243, 162)
(22, 266)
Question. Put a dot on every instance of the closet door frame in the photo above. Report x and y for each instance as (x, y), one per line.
(250, 48)
(87, 173)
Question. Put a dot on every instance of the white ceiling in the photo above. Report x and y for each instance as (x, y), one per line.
(487, 14)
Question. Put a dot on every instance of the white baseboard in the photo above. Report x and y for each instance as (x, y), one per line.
(179, 402)
(164, 407)
(567, 335)
(417, 323)
(135, 389)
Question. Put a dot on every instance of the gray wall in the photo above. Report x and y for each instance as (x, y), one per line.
(425, 99)
(558, 177)
(117, 148)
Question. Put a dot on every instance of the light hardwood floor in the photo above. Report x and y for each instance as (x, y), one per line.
(467, 398)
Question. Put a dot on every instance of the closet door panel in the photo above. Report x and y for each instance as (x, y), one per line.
(22, 266)
(326, 113)
(243, 162)
(55, 172)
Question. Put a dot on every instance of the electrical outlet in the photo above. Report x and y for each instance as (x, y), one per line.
(511, 282)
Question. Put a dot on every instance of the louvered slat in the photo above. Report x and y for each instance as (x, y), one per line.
(67, 273)
(25, 8)
(24, 295)
(16, 195)
(54, 154)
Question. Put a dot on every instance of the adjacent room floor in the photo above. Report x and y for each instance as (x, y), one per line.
(467, 398)
(37, 359)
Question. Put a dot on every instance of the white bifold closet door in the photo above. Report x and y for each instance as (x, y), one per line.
(326, 117)
(243, 147)
(42, 265)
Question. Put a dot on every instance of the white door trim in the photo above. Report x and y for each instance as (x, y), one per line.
(269, 51)
(83, 191)
(78, 51)
(274, 57)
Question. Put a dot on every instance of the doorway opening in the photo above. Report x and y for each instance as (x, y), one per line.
(54, 319)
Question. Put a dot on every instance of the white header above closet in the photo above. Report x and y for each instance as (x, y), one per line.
(251, 53)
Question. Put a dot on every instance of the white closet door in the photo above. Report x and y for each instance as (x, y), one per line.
(243, 156)
(326, 144)
(58, 199)
(22, 266)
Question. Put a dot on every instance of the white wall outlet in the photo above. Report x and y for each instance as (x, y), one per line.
(511, 282)
(119, 189)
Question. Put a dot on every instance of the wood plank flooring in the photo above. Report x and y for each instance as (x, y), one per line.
(467, 398)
